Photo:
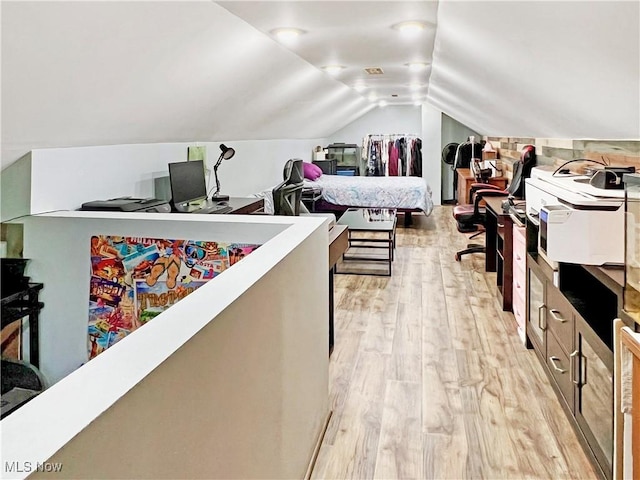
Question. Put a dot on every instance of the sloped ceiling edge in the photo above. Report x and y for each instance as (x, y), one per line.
(539, 69)
(100, 73)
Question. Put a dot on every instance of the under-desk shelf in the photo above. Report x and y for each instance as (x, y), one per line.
(21, 304)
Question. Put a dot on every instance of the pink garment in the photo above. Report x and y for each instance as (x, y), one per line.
(393, 159)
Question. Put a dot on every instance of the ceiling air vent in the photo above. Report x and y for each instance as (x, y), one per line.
(374, 71)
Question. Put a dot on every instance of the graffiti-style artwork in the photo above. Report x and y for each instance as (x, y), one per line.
(135, 279)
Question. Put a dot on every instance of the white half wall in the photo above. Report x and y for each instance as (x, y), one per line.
(230, 382)
(65, 178)
(432, 149)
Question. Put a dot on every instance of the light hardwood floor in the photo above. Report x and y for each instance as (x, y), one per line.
(428, 378)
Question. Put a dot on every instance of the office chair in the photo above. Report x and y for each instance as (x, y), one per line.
(471, 218)
(287, 196)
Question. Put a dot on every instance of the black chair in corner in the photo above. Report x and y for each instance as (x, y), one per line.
(288, 195)
(471, 218)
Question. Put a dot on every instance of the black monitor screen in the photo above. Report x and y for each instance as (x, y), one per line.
(187, 181)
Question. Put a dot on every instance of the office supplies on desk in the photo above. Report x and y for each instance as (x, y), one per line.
(207, 207)
(188, 186)
(575, 225)
(128, 204)
(226, 154)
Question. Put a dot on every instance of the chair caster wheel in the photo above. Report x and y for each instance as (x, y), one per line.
(457, 257)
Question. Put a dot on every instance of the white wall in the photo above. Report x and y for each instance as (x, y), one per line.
(389, 119)
(432, 149)
(213, 387)
(59, 252)
(64, 178)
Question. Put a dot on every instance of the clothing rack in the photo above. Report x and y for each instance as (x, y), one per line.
(392, 154)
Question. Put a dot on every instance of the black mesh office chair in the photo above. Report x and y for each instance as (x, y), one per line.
(471, 218)
(288, 195)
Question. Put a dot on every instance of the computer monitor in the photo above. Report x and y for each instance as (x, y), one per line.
(187, 182)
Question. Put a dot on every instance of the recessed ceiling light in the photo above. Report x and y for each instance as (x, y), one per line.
(360, 87)
(286, 33)
(411, 27)
(416, 66)
(332, 69)
(382, 103)
(372, 97)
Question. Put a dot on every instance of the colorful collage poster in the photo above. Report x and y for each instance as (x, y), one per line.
(134, 279)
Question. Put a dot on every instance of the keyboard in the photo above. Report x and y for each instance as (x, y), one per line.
(216, 208)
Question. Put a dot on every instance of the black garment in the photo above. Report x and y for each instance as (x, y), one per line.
(416, 158)
(402, 156)
(465, 152)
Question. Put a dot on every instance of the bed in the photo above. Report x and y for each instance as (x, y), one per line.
(406, 194)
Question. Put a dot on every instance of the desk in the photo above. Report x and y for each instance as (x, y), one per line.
(499, 246)
(338, 244)
(245, 205)
(466, 178)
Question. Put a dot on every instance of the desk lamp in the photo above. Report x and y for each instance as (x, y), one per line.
(226, 154)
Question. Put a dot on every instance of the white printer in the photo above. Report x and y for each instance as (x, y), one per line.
(578, 223)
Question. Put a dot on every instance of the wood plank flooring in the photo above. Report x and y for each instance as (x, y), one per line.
(428, 378)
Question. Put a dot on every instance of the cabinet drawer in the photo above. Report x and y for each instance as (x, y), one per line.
(519, 306)
(560, 318)
(519, 257)
(519, 237)
(519, 280)
(560, 368)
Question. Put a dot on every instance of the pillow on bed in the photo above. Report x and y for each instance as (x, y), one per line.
(311, 171)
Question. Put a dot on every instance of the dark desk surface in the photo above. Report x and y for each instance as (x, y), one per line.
(495, 204)
(245, 205)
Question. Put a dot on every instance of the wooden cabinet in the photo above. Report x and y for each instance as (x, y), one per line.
(593, 379)
(519, 265)
(569, 323)
(466, 178)
(536, 313)
(499, 256)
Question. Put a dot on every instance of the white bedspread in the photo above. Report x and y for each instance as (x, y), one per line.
(376, 192)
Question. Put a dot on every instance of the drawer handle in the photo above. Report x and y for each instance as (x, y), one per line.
(555, 367)
(572, 367)
(518, 285)
(501, 225)
(518, 257)
(540, 323)
(556, 315)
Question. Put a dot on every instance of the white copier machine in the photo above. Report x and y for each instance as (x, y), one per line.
(578, 223)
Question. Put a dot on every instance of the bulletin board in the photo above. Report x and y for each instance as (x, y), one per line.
(134, 279)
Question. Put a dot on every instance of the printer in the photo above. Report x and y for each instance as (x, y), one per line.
(128, 204)
(577, 223)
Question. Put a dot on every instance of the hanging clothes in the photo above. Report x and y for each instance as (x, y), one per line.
(392, 155)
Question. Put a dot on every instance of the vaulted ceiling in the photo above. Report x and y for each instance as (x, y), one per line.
(96, 73)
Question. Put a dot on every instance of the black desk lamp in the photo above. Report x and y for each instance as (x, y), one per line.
(226, 154)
